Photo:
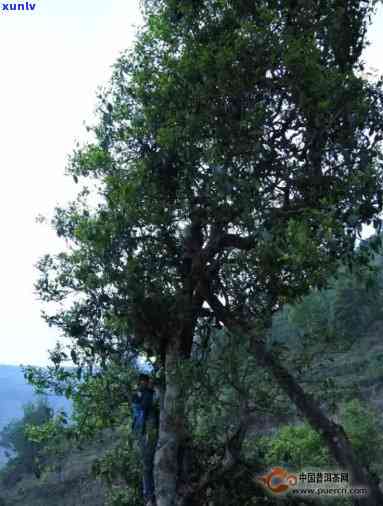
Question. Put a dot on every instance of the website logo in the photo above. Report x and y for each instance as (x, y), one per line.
(312, 483)
(19, 7)
(278, 480)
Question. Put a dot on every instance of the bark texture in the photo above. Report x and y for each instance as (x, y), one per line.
(171, 433)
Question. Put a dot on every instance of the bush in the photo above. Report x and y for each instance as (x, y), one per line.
(301, 447)
(365, 432)
(296, 446)
(14, 437)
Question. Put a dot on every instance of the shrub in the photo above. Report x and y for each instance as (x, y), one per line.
(14, 437)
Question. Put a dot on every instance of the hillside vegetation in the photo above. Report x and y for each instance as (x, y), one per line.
(346, 373)
(235, 156)
(16, 392)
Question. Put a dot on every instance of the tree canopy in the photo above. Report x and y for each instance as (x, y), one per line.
(236, 157)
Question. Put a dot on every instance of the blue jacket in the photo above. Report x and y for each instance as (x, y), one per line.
(143, 408)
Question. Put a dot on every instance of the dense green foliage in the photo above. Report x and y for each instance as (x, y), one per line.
(365, 430)
(220, 379)
(199, 134)
(236, 156)
(300, 447)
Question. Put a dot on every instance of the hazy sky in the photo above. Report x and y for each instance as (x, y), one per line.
(52, 61)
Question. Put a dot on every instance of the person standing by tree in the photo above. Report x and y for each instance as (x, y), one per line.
(259, 115)
(145, 430)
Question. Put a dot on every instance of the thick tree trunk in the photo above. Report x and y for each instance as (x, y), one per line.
(333, 434)
(171, 433)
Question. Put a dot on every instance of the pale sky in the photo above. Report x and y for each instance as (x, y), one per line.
(52, 62)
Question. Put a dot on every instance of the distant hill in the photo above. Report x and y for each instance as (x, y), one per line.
(15, 393)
